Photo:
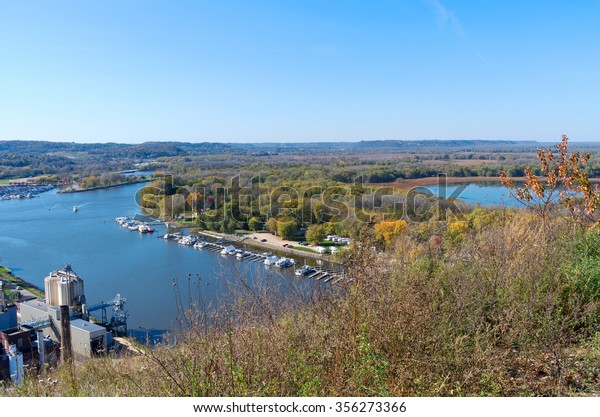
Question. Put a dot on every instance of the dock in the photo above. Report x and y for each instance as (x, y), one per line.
(321, 274)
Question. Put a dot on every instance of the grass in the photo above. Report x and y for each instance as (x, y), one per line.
(7, 274)
(4, 182)
(505, 309)
(304, 248)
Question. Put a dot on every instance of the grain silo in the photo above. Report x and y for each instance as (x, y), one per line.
(64, 287)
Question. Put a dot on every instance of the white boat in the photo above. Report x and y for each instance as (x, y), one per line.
(271, 260)
(200, 244)
(144, 228)
(228, 250)
(75, 208)
(284, 263)
(187, 240)
(242, 255)
(305, 270)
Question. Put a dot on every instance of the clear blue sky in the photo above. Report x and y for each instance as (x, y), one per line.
(299, 70)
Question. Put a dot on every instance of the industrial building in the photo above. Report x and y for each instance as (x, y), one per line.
(60, 320)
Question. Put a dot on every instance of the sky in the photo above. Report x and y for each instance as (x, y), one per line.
(298, 70)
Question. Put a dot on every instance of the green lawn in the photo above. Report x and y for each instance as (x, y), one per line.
(305, 249)
(4, 182)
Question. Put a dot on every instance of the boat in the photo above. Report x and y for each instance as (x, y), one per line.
(284, 263)
(144, 228)
(228, 250)
(241, 255)
(305, 270)
(271, 260)
(200, 244)
(75, 208)
(187, 240)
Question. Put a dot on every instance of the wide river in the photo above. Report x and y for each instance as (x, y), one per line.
(41, 234)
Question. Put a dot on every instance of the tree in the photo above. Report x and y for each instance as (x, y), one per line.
(255, 224)
(564, 182)
(315, 234)
(272, 225)
(287, 228)
(388, 231)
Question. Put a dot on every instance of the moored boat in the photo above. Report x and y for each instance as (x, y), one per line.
(271, 260)
(305, 270)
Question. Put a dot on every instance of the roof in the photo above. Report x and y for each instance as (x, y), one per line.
(37, 304)
(86, 326)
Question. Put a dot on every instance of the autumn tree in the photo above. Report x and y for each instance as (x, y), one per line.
(388, 231)
(563, 182)
(272, 225)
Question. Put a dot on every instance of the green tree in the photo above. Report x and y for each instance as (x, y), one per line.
(255, 224)
(315, 234)
(287, 228)
(272, 225)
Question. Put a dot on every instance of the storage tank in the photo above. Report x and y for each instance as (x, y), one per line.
(64, 287)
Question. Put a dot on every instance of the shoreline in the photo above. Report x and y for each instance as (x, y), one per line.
(81, 190)
(33, 290)
(266, 245)
(407, 184)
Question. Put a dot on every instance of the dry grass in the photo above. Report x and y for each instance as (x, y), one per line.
(493, 314)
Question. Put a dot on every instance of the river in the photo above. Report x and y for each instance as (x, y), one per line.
(41, 234)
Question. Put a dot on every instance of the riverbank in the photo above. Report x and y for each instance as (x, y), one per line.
(75, 188)
(269, 245)
(28, 289)
(407, 184)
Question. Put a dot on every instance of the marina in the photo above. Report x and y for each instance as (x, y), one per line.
(266, 258)
(116, 259)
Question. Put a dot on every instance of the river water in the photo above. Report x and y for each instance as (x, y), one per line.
(41, 234)
(485, 193)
